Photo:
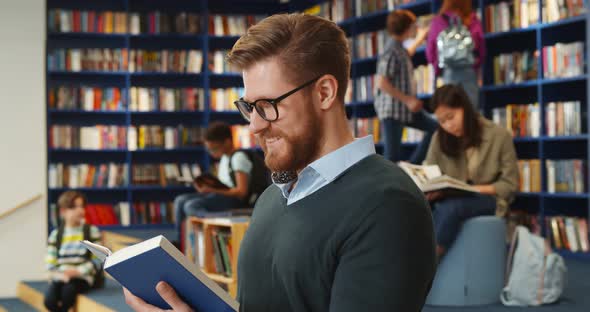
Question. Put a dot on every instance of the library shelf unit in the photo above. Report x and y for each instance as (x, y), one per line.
(206, 247)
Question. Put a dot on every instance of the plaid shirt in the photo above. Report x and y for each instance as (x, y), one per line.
(395, 64)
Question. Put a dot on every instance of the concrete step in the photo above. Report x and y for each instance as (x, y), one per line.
(15, 305)
(107, 299)
(120, 238)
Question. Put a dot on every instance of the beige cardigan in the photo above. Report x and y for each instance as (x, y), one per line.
(497, 163)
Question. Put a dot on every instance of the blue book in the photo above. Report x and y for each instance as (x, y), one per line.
(141, 266)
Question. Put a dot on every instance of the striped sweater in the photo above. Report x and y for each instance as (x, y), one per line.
(72, 254)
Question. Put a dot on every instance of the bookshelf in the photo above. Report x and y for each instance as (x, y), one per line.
(214, 245)
(541, 89)
(75, 26)
(534, 36)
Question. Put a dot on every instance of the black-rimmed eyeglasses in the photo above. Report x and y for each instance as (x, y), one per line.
(266, 108)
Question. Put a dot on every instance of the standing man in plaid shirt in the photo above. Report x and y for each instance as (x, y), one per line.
(395, 102)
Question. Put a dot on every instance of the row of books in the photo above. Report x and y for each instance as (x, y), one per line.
(166, 99)
(76, 60)
(243, 137)
(133, 138)
(141, 99)
(97, 137)
(155, 136)
(106, 22)
(523, 120)
(411, 135)
(567, 233)
(87, 98)
(362, 127)
(232, 25)
(515, 67)
(566, 176)
(223, 99)
(555, 10)
(364, 88)
(563, 60)
(87, 175)
(141, 212)
(341, 10)
(529, 175)
(371, 44)
(157, 22)
(424, 79)
(166, 61)
(371, 126)
(164, 174)
(508, 15)
(561, 119)
(217, 63)
(562, 232)
(222, 251)
(364, 7)
(104, 214)
(321, 9)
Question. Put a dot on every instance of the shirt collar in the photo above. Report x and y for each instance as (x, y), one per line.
(333, 164)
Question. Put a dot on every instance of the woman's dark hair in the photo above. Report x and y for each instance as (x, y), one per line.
(455, 97)
(218, 132)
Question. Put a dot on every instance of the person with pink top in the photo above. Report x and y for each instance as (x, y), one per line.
(466, 76)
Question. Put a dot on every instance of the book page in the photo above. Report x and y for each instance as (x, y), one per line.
(99, 251)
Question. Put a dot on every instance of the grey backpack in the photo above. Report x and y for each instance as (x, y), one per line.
(455, 45)
(535, 275)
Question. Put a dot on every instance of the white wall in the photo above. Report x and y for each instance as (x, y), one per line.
(22, 141)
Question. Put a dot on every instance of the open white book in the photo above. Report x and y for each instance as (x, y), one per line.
(429, 178)
(141, 266)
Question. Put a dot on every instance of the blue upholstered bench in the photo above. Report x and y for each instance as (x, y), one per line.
(472, 271)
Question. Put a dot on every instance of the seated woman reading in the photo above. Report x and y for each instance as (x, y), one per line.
(473, 149)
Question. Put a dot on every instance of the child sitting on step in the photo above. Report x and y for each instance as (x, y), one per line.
(72, 268)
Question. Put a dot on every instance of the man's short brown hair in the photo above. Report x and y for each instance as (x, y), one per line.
(399, 21)
(308, 46)
(67, 198)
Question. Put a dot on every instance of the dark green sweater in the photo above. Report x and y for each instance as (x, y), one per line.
(364, 242)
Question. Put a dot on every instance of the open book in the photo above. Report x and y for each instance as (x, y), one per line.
(429, 178)
(141, 266)
(204, 179)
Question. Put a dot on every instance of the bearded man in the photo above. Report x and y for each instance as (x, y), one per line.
(342, 229)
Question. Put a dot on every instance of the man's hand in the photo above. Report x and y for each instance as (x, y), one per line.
(413, 104)
(166, 292)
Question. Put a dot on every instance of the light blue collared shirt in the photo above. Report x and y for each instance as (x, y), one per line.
(324, 170)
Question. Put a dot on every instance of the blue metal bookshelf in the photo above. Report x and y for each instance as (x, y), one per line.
(540, 90)
(124, 79)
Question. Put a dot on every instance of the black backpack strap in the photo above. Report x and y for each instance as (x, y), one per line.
(86, 231)
(58, 238)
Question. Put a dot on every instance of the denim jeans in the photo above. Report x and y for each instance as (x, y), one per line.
(466, 77)
(450, 213)
(392, 136)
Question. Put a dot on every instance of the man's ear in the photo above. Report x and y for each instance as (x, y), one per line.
(327, 86)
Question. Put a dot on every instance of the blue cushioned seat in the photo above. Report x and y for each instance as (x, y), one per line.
(472, 271)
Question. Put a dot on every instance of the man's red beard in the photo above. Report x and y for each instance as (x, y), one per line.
(296, 152)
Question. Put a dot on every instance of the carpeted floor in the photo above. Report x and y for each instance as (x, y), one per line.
(576, 297)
